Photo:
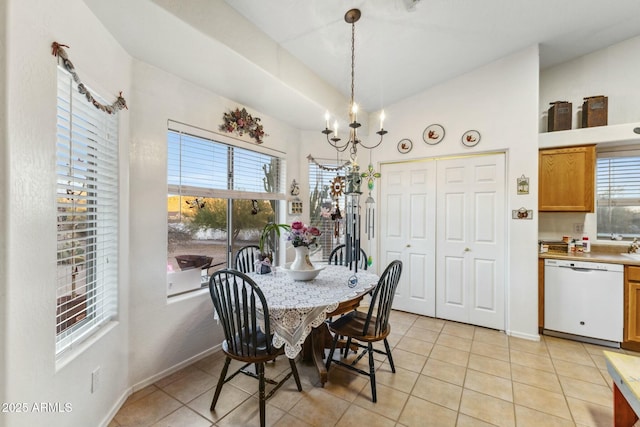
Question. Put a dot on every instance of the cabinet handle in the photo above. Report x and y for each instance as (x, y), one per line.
(467, 249)
(408, 245)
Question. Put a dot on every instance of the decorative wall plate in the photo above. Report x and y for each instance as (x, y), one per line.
(405, 145)
(433, 134)
(471, 138)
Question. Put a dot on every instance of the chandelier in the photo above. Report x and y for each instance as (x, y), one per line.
(353, 141)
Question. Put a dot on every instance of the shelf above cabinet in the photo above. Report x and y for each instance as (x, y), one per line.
(613, 134)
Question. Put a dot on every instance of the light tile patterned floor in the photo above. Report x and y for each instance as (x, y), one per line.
(447, 374)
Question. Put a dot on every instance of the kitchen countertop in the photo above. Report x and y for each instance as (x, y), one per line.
(608, 254)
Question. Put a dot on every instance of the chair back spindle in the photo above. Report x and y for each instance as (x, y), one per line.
(239, 303)
(382, 298)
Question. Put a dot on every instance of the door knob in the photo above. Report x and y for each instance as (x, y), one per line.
(408, 245)
(467, 249)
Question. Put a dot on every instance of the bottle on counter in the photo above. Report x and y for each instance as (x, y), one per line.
(571, 247)
(586, 244)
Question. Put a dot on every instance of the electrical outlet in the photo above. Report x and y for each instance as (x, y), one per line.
(578, 228)
(95, 380)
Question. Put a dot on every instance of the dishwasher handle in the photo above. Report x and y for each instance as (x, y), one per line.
(580, 269)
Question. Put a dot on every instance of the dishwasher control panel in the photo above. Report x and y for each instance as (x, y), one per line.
(585, 265)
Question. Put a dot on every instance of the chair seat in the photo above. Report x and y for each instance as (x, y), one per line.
(352, 325)
(261, 352)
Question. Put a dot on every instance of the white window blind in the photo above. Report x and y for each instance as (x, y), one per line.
(618, 192)
(203, 167)
(87, 215)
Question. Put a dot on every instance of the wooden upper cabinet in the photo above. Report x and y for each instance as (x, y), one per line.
(567, 179)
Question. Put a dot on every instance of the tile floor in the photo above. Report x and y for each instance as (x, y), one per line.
(447, 374)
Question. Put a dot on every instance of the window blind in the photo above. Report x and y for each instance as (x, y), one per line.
(203, 167)
(618, 192)
(87, 215)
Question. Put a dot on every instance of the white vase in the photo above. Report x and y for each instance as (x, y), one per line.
(302, 261)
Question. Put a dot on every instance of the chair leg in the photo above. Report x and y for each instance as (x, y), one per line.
(372, 373)
(261, 394)
(386, 346)
(223, 375)
(294, 369)
(347, 347)
(333, 349)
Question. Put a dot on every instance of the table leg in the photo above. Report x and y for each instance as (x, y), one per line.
(623, 414)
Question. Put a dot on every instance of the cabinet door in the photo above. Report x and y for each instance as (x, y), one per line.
(567, 179)
(632, 297)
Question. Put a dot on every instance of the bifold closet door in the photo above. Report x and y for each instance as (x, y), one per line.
(471, 218)
(407, 232)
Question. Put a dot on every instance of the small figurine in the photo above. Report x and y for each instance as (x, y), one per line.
(295, 188)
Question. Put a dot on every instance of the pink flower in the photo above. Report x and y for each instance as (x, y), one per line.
(297, 225)
(314, 231)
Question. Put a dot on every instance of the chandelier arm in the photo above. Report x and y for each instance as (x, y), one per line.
(381, 132)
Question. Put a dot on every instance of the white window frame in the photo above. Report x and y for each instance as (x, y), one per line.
(87, 201)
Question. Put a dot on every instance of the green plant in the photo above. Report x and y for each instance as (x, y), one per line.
(269, 238)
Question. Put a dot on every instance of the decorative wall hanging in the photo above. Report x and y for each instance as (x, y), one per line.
(405, 145)
(295, 207)
(433, 134)
(523, 185)
(471, 138)
(522, 213)
(241, 122)
(295, 188)
(327, 168)
(120, 103)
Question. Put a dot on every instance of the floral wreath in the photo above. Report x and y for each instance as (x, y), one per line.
(241, 122)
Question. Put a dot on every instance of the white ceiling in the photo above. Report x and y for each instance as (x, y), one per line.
(296, 53)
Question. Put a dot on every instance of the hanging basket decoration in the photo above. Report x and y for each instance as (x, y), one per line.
(58, 51)
(241, 122)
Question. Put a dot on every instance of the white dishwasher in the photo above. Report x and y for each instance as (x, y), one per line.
(584, 301)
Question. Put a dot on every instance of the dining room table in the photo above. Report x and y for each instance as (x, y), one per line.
(298, 309)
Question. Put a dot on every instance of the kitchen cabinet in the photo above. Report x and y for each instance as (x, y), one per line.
(567, 179)
(631, 308)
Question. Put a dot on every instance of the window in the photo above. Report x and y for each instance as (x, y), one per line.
(618, 192)
(219, 198)
(87, 215)
(324, 204)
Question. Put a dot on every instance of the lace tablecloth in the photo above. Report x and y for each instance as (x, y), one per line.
(295, 308)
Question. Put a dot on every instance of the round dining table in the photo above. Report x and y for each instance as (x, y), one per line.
(298, 309)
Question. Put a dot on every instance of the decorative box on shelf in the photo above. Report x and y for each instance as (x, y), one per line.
(594, 111)
(559, 116)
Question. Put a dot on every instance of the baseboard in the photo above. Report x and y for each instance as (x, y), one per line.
(530, 337)
(175, 368)
(142, 384)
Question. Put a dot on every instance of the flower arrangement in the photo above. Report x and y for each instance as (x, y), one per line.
(302, 235)
(241, 122)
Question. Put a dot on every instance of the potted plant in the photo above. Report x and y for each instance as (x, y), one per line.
(269, 240)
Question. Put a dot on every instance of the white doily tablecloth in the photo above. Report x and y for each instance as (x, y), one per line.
(295, 308)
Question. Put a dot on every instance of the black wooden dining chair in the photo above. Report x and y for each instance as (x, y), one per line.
(338, 256)
(239, 301)
(246, 257)
(369, 327)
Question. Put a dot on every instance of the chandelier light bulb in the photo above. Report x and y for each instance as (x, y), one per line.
(382, 119)
(327, 116)
(335, 128)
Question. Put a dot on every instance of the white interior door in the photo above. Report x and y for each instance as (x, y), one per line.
(407, 232)
(471, 222)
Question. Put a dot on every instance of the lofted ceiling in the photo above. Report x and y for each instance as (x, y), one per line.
(294, 56)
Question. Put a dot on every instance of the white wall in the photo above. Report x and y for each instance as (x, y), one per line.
(499, 100)
(29, 239)
(613, 72)
(166, 333)
(4, 180)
